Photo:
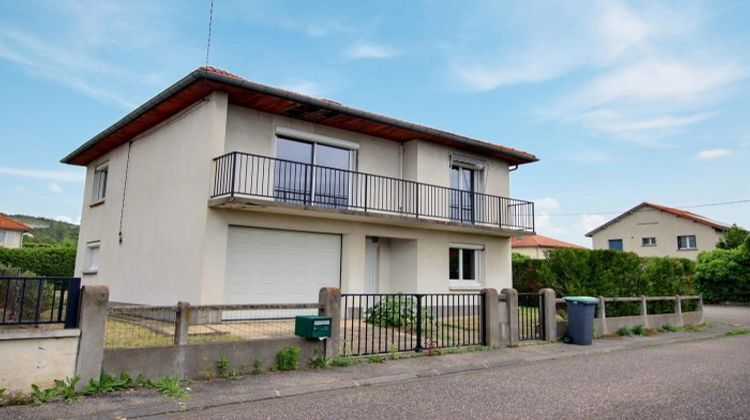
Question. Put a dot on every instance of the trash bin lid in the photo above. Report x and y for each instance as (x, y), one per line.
(582, 299)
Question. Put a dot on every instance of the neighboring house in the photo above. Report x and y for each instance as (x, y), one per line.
(538, 246)
(222, 190)
(11, 232)
(651, 230)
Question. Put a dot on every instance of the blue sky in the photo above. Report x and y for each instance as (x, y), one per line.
(623, 101)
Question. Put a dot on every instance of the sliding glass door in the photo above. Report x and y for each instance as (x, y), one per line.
(463, 182)
(312, 172)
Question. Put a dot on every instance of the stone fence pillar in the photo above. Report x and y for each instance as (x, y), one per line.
(511, 303)
(550, 315)
(491, 302)
(330, 305)
(678, 311)
(92, 321)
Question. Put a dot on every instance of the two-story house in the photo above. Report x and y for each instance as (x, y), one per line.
(223, 190)
(651, 230)
(11, 232)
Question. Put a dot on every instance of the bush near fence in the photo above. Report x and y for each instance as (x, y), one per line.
(572, 272)
(724, 274)
(55, 261)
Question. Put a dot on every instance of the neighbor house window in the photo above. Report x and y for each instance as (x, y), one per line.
(92, 257)
(615, 244)
(648, 241)
(464, 262)
(2, 237)
(100, 182)
(686, 242)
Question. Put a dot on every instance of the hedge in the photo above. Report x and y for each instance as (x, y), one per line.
(724, 274)
(47, 261)
(604, 273)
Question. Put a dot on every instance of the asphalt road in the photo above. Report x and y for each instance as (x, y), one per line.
(704, 379)
(736, 315)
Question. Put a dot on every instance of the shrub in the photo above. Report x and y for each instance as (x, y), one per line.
(393, 311)
(724, 274)
(624, 331)
(288, 358)
(638, 330)
(45, 261)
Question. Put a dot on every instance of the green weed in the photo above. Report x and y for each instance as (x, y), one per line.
(288, 358)
(737, 331)
(638, 330)
(170, 386)
(624, 331)
(376, 358)
(66, 389)
(258, 366)
(344, 361)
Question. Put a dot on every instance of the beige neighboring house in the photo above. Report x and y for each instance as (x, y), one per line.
(12, 232)
(223, 190)
(651, 230)
(538, 246)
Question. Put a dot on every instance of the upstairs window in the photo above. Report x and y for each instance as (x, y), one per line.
(615, 244)
(100, 182)
(650, 241)
(686, 243)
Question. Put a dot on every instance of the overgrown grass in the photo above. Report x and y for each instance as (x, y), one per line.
(737, 331)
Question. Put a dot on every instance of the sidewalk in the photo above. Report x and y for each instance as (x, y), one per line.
(212, 393)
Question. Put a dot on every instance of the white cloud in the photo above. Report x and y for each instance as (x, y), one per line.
(370, 51)
(57, 176)
(589, 222)
(68, 219)
(712, 154)
(547, 203)
(54, 187)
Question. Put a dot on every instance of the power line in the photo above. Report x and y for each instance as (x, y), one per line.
(692, 206)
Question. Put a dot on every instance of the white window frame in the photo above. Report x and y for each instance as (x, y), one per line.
(478, 260)
(99, 191)
(91, 264)
(648, 241)
(689, 247)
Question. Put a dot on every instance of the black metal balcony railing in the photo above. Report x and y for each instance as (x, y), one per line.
(239, 174)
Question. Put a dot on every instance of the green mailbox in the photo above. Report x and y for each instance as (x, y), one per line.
(312, 326)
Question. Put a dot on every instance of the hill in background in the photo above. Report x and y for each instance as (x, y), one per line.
(48, 231)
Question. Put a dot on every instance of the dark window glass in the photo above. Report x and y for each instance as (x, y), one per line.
(615, 244)
(469, 261)
(453, 256)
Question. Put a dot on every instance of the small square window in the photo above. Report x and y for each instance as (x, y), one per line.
(615, 244)
(650, 241)
(101, 173)
(686, 243)
(91, 262)
(464, 263)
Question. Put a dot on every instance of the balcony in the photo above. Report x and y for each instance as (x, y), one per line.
(267, 180)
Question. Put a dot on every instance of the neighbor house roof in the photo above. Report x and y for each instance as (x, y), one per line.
(671, 210)
(539, 241)
(6, 223)
(242, 92)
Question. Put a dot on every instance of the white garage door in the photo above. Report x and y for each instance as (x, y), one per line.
(279, 266)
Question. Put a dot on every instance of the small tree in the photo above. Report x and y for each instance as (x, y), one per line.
(732, 238)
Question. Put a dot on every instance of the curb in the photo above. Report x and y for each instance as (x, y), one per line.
(196, 406)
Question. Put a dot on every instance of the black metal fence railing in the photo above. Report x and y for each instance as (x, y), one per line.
(242, 174)
(531, 316)
(381, 323)
(39, 300)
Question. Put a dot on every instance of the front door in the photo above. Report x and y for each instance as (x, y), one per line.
(463, 181)
(372, 263)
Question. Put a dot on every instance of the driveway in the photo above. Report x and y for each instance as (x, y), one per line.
(735, 315)
(700, 379)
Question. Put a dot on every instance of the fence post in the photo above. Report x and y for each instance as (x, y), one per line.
(92, 321)
(603, 316)
(182, 322)
(512, 305)
(72, 305)
(550, 315)
(700, 309)
(329, 299)
(678, 311)
(418, 347)
(491, 320)
(644, 312)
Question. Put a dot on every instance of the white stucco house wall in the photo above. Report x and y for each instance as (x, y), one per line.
(222, 190)
(652, 230)
(12, 232)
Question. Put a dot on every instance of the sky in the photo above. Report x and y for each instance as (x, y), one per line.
(623, 102)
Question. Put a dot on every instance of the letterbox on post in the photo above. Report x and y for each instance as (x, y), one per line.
(312, 326)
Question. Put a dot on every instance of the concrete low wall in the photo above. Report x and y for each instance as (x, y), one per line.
(195, 361)
(36, 357)
(651, 321)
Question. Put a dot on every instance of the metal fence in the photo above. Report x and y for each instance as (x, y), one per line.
(39, 301)
(531, 316)
(150, 326)
(243, 174)
(380, 323)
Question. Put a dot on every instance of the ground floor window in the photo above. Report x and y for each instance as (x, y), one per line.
(464, 263)
(615, 244)
(651, 241)
(686, 242)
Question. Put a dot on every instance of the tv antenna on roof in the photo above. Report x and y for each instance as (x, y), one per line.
(210, 23)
